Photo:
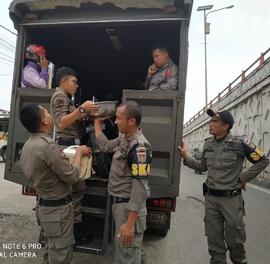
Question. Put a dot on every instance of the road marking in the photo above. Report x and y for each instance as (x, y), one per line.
(259, 188)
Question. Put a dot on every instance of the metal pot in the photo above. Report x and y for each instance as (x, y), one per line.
(106, 108)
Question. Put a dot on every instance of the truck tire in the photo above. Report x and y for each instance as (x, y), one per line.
(160, 232)
(4, 154)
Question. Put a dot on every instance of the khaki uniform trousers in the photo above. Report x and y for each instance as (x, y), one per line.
(225, 228)
(57, 225)
(131, 254)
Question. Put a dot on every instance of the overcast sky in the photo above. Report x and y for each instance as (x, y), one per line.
(237, 38)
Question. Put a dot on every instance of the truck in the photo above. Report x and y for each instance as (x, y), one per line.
(108, 43)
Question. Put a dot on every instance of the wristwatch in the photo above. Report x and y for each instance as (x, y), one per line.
(82, 110)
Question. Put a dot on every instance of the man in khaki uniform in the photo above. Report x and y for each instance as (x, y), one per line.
(128, 181)
(51, 174)
(223, 156)
(163, 73)
(67, 119)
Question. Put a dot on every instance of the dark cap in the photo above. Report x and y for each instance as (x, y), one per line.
(224, 116)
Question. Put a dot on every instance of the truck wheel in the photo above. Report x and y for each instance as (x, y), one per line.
(160, 232)
(4, 154)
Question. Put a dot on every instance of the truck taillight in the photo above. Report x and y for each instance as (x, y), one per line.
(162, 203)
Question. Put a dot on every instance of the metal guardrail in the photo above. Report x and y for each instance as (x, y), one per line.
(233, 85)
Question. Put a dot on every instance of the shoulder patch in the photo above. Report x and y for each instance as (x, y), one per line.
(139, 161)
(252, 152)
(169, 73)
(59, 98)
(60, 101)
(141, 154)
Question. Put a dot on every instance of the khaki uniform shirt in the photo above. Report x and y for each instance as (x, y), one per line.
(121, 182)
(62, 105)
(47, 167)
(224, 161)
(165, 78)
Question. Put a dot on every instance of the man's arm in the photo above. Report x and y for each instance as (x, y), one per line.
(55, 159)
(189, 161)
(69, 119)
(103, 143)
(152, 69)
(60, 111)
(140, 170)
(147, 82)
(255, 156)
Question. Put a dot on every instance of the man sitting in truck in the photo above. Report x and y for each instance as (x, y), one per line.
(35, 73)
(162, 74)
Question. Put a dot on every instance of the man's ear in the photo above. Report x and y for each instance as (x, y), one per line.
(133, 121)
(63, 82)
(43, 120)
(226, 127)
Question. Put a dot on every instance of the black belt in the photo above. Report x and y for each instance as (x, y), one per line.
(119, 200)
(224, 193)
(68, 141)
(59, 202)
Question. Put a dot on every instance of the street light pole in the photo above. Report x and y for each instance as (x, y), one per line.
(207, 31)
(205, 60)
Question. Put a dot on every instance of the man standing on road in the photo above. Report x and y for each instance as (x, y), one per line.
(46, 166)
(128, 181)
(67, 119)
(162, 74)
(223, 157)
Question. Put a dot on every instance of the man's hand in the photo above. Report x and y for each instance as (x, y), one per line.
(43, 62)
(80, 152)
(243, 185)
(183, 150)
(81, 116)
(84, 150)
(152, 69)
(90, 106)
(126, 234)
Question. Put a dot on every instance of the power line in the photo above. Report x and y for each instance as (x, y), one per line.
(8, 30)
(7, 56)
(8, 43)
(5, 60)
(7, 48)
(4, 46)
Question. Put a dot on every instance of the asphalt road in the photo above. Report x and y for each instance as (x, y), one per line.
(184, 244)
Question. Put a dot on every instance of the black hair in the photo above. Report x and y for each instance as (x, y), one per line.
(63, 72)
(30, 117)
(160, 46)
(133, 109)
